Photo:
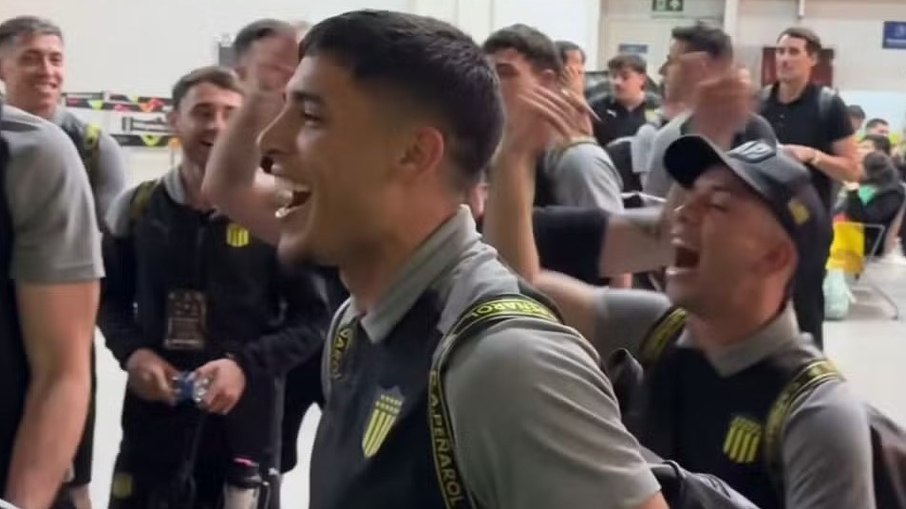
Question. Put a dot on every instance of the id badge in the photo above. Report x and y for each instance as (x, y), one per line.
(186, 318)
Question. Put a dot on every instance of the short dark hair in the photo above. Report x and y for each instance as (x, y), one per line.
(529, 42)
(881, 143)
(703, 37)
(629, 61)
(257, 30)
(220, 77)
(13, 28)
(855, 111)
(875, 122)
(812, 41)
(564, 47)
(431, 62)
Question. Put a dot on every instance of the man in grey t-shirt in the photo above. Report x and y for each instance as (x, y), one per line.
(32, 66)
(575, 172)
(55, 265)
(749, 216)
(697, 53)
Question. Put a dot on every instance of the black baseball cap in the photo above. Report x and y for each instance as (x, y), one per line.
(783, 183)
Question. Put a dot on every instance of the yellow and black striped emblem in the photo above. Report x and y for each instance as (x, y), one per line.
(743, 440)
(386, 409)
(236, 236)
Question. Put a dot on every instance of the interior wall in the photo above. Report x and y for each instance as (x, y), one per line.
(852, 28)
(141, 48)
(632, 22)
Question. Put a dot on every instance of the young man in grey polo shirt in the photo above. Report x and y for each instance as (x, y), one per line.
(697, 53)
(51, 249)
(32, 66)
(388, 118)
(748, 218)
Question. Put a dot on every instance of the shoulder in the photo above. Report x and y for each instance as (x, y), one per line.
(826, 450)
(831, 410)
(31, 138)
(119, 215)
(39, 150)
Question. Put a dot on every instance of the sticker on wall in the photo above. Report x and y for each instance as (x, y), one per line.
(894, 35)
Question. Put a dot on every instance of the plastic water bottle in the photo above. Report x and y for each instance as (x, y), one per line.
(242, 488)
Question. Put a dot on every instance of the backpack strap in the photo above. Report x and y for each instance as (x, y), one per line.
(91, 144)
(665, 331)
(140, 198)
(478, 318)
(826, 97)
(797, 390)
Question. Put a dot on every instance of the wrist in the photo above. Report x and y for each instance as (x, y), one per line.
(816, 157)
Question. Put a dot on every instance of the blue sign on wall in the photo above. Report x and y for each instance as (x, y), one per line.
(894, 35)
(637, 49)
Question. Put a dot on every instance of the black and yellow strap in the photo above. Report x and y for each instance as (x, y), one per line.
(140, 199)
(665, 331)
(479, 317)
(808, 378)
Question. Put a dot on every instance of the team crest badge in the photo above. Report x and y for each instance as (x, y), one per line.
(743, 440)
(384, 413)
(236, 236)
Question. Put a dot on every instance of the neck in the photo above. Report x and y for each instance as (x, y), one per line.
(789, 91)
(725, 328)
(633, 102)
(370, 273)
(192, 175)
(45, 111)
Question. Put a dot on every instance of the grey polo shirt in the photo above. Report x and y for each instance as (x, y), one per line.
(536, 423)
(583, 175)
(826, 449)
(108, 174)
(56, 238)
(658, 181)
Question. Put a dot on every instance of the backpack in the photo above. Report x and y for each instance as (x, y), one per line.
(87, 143)
(681, 489)
(888, 439)
(826, 96)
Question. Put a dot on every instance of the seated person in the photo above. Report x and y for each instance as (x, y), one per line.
(875, 200)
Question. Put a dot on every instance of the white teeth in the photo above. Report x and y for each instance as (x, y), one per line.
(282, 212)
(284, 196)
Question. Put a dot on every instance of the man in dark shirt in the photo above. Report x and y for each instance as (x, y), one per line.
(629, 108)
(191, 292)
(814, 127)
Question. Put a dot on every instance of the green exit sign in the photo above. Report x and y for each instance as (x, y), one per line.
(667, 6)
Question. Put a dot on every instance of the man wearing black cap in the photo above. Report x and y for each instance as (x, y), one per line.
(720, 352)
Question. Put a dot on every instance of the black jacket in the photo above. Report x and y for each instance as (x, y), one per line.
(268, 320)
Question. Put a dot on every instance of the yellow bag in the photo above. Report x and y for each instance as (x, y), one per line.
(847, 251)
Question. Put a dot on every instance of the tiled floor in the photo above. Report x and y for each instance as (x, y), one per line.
(869, 347)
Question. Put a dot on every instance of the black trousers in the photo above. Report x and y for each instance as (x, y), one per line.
(808, 299)
(177, 458)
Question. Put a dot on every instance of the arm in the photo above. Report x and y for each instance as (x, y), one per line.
(56, 265)
(302, 332)
(116, 317)
(636, 241)
(826, 456)
(58, 327)
(110, 177)
(561, 421)
(233, 180)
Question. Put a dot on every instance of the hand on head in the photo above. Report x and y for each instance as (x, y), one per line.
(270, 64)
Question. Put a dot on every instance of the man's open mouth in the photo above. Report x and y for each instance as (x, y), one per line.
(290, 196)
(685, 258)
